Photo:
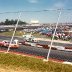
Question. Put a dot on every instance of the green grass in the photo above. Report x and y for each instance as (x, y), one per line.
(39, 35)
(35, 65)
(18, 33)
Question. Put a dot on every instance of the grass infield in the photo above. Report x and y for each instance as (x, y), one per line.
(12, 61)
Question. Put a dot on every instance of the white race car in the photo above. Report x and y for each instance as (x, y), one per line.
(13, 44)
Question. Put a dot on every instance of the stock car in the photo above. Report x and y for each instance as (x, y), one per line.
(62, 48)
(2, 43)
(6, 43)
(12, 45)
(29, 38)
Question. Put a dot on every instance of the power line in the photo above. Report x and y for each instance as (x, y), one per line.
(46, 10)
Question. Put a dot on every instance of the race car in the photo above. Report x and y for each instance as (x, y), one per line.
(2, 43)
(62, 48)
(29, 38)
(13, 44)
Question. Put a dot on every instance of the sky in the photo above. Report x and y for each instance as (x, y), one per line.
(35, 5)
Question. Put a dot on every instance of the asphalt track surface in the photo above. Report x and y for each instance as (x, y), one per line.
(55, 54)
(41, 42)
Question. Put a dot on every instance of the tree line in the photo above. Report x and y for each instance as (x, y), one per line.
(12, 22)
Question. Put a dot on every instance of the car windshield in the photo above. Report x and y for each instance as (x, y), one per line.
(6, 41)
(13, 42)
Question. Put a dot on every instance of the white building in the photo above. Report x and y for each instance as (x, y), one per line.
(34, 23)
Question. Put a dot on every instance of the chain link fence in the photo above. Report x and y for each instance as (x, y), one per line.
(46, 33)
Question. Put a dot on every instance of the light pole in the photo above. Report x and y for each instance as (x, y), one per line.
(53, 35)
(14, 32)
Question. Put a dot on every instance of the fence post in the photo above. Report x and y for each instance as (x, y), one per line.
(14, 32)
(53, 36)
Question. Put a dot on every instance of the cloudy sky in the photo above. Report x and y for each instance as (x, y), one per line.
(35, 5)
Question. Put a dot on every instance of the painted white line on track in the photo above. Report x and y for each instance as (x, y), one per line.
(70, 63)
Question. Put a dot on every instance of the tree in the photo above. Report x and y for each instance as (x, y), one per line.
(1, 23)
(12, 22)
(7, 22)
(21, 22)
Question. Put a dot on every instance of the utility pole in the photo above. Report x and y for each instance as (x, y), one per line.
(53, 35)
(14, 32)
